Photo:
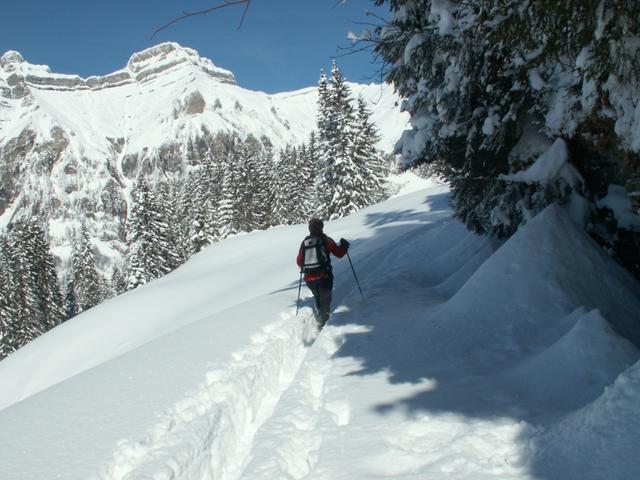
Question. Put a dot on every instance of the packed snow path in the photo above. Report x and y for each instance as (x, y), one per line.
(373, 397)
(463, 360)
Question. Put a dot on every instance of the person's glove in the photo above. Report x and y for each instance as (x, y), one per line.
(344, 243)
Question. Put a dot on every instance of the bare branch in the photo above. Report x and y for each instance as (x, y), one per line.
(244, 14)
(226, 3)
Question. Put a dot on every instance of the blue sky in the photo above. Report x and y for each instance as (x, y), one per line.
(281, 46)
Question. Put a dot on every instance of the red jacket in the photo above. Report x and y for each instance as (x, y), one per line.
(332, 247)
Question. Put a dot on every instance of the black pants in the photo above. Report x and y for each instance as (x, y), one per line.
(321, 290)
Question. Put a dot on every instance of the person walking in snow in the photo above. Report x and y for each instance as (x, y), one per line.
(314, 260)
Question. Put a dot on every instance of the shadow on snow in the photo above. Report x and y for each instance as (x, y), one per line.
(403, 292)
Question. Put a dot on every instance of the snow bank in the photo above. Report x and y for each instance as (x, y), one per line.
(575, 368)
(602, 435)
(564, 271)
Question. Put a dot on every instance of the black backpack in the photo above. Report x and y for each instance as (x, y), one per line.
(315, 258)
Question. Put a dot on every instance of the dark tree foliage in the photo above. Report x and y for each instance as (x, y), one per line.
(8, 310)
(30, 298)
(485, 79)
(39, 274)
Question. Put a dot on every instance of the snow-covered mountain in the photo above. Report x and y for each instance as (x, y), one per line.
(463, 360)
(71, 147)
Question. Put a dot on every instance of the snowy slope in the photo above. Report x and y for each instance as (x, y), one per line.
(144, 103)
(463, 361)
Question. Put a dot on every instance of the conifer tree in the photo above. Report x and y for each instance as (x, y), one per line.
(150, 254)
(263, 173)
(168, 198)
(40, 274)
(324, 180)
(8, 311)
(209, 192)
(346, 182)
(70, 304)
(197, 231)
(288, 200)
(84, 282)
(194, 218)
(367, 157)
(227, 207)
(481, 78)
(118, 279)
(29, 322)
(245, 188)
(305, 181)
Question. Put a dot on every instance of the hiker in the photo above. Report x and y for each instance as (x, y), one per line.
(315, 262)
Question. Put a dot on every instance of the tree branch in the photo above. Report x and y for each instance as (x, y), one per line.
(226, 3)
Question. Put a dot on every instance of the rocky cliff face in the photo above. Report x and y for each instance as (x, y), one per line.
(142, 67)
(71, 148)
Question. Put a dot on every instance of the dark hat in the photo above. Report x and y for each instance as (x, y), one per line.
(316, 225)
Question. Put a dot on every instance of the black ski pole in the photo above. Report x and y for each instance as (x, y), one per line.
(354, 274)
(299, 288)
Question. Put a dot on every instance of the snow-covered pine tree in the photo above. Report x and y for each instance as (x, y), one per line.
(118, 279)
(227, 206)
(168, 194)
(194, 217)
(70, 304)
(197, 231)
(84, 279)
(247, 220)
(29, 321)
(484, 81)
(149, 251)
(283, 188)
(324, 179)
(307, 172)
(8, 311)
(312, 170)
(367, 157)
(209, 191)
(301, 185)
(40, 268)
(346, 182)
(139, 237)
(261, 169)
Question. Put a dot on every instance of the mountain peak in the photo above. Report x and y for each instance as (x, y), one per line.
(11, 56)
(165, 56)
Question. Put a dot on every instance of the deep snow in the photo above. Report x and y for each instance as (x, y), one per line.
(465, 359)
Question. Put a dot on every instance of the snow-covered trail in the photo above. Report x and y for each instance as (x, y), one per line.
(343, 416)
(210, 432)
(387, 392)
(462, 360)
(384, 391)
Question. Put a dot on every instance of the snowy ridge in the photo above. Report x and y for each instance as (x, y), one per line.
(145, 94)
(463, 360)
(142, 66)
